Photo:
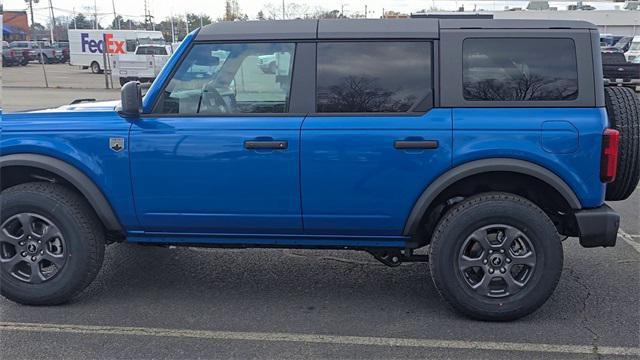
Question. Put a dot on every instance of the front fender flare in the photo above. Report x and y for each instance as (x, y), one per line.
(483, 166)
(89, 190)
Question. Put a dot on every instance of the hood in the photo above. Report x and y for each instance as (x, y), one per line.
(90, 106)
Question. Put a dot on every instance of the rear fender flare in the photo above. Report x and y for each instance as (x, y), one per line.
(484, 166)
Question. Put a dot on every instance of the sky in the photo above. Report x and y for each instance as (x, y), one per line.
(162, 9)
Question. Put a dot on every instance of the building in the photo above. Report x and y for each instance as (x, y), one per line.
(15, 26)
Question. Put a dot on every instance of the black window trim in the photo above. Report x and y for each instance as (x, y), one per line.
(308, 90)
(575, 55)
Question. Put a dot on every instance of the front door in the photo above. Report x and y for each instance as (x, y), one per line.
(220, 154)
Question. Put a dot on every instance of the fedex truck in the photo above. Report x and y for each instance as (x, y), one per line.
(86, 47)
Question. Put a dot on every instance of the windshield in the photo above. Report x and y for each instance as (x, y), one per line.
(635, 46)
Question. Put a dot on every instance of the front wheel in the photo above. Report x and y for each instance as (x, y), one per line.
(51, 244)
(496, 256)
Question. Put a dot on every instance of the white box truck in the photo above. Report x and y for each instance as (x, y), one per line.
(86, 47)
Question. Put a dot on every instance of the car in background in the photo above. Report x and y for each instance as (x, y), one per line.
(40, 51)
(621, 46)
(11, 57)
(617, 71)
(607, 40)
(63, 47)
(634, 49)
(267, 63)
(143, 65)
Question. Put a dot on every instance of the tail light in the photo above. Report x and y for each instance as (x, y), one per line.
(609, 159)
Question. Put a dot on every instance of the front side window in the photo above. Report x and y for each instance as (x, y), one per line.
(231, 79)
(504, 69)
(369, 77)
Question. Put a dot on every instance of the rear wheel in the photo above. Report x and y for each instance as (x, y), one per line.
(95, 68)
(623, 110)
(51, 244)
(496, 256)
(123, 81)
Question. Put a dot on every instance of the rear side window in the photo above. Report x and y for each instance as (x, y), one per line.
(370, 77)
(505, 69)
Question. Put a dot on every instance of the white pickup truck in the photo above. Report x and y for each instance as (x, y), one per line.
(143, 65)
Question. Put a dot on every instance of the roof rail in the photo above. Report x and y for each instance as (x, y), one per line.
(452, 16)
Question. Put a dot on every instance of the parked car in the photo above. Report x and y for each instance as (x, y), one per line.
(634, 49)
(617, 71)
(11, 57)
(267, 63)
(144, 65)
(37, 51)
(63, 47)
(622, 45)
(346, 148)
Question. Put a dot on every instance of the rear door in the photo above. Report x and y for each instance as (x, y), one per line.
(376, 139)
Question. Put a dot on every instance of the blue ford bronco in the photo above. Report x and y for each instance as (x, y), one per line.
(483, 143)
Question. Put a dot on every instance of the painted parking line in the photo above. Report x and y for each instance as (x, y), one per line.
(629, 239)
(319, 339)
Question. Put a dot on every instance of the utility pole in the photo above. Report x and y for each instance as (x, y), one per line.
(31, 10)
(284, 11)
(53, 21)
(201, 21)
(95, 15)
(365, 11)
(75, 23)
(115, 15)
(146, 16)
(173, 31)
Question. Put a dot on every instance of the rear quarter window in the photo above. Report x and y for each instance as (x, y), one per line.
(516, 69)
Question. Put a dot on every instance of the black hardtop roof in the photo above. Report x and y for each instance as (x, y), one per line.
(414, 28)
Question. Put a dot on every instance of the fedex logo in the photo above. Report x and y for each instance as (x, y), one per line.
(112, 46)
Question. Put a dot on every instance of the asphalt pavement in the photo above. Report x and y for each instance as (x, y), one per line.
(188, 303)
(152, 302)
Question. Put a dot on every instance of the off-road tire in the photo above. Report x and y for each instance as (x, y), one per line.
(83, 234)
(487, 209)
(623, 110)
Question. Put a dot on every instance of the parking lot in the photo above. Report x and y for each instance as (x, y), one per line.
(152, 302)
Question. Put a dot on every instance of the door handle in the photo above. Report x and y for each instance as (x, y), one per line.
(415, 144)
(266, 145)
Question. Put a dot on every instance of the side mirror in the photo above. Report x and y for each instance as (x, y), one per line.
(131, 100)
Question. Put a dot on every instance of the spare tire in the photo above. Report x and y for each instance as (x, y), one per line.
(623, 110)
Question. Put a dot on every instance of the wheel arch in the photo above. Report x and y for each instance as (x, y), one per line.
(485, 166)
(81, 182)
